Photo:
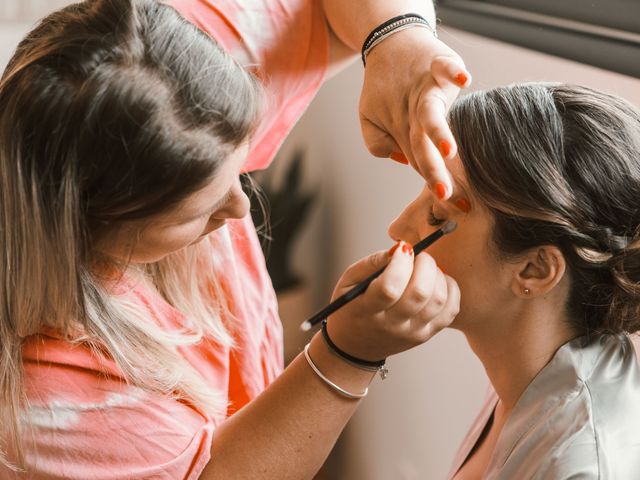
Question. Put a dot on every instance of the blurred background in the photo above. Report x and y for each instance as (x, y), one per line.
(410, 425)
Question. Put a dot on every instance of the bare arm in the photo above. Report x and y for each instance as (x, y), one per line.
(351, 21)
(288, 431)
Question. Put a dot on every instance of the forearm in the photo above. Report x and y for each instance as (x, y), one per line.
(288, 431)
(353, 20)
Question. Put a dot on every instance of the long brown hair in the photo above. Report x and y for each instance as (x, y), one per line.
(110, 111)
(560, 165)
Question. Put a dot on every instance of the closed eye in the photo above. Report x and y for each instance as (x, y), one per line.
(433, 220)
(219, 204)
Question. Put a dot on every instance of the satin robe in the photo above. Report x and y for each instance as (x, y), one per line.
(578, 419)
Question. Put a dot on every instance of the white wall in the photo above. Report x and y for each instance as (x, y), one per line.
(410, 426)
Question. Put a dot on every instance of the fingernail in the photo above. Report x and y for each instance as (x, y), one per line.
(406, 248)
(461, 79)
(399, 157)
(445, 148)
(393, 249)
(463, 204)
(441, 190)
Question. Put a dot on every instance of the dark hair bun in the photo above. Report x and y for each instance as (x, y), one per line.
(625, 303)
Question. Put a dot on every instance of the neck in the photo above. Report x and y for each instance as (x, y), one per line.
(515, 349)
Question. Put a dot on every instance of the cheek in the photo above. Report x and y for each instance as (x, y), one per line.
(170, 239)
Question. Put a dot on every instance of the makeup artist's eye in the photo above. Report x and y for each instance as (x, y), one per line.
(219, 204)
(433, 220)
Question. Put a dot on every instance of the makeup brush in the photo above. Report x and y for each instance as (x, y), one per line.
(359, 289)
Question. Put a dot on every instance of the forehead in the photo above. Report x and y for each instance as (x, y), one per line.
(218, 185)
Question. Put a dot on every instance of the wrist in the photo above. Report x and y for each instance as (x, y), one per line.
(402, 47)
(391, 28)
(353, 21)
(377, 366)
(348, 376)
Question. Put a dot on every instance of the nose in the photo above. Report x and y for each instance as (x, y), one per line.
(398, 228)
(236, 207)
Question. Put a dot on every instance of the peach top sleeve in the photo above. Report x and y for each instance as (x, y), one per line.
(89, 424)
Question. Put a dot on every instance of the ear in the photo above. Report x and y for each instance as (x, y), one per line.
(538, 272)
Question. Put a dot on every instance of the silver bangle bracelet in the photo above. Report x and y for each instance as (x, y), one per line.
(340, 390)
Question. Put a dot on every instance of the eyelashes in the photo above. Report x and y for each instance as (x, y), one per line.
(433, 220)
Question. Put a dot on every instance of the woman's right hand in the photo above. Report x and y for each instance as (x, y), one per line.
(405, 306)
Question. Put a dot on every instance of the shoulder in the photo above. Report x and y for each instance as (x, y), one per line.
(607, 444)
(614, 388)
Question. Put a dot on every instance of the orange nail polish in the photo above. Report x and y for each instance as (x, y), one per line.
(408, 249)
(399, 157)
(393, 249)
(445, 148)
(441, 190)
(461, 79)
(463, 204)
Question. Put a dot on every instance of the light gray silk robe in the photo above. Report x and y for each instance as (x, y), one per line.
(578, 419)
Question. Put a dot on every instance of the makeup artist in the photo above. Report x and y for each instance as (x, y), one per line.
(138, 326)
(410, 80)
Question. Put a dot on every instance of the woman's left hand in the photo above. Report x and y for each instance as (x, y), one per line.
(411, 80)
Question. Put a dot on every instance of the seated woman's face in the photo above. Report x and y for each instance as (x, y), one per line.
(465, 254)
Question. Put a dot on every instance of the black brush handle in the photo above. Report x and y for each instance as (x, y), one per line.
(360, 288)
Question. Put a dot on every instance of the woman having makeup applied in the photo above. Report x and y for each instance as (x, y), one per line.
(139, 335)
(547, 258)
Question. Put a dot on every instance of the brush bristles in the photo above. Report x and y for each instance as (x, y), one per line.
(449, 227)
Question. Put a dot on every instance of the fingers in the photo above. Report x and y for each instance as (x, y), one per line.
(388, 288)
(404, 307)
(380, 143)
(425, 293)
(423, 138)
(431, 123)
(448, 69)
(432, 141)
(451, 308)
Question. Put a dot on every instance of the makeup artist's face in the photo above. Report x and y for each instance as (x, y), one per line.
(464, 254)
(198, 215)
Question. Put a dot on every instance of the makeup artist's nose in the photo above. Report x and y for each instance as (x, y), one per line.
(236, 207)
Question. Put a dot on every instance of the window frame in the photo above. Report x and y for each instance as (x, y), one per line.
(548, 28)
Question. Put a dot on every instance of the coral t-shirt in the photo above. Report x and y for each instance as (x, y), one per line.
(90, 424)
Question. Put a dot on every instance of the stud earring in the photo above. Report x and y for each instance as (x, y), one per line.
(526, 291)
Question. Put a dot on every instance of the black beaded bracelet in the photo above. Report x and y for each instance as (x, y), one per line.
(373, 366)
(390, 26)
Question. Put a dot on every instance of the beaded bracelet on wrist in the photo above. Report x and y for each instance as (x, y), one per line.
(391, 26)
